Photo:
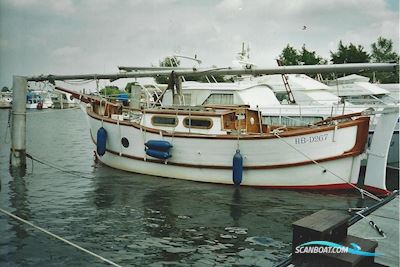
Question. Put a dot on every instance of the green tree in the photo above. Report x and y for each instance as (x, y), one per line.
(110, 90)
(167, 62)
(174, 62)
(128, 86)
(310, 57)
(382, 51)
(289, 56)
(349, 54)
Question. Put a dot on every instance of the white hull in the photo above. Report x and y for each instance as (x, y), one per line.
(267, 162)
(34, 106)
(5, 104)
(311, 176)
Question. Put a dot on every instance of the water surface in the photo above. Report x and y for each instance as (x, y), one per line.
(134, 219)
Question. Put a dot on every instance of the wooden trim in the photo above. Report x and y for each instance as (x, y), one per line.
(178, 112)
(292, 133)
(340, 117)
(362, 135)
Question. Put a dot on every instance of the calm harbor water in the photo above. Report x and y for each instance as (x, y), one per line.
(134, 219)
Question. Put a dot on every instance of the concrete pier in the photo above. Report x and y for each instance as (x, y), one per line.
(18, 128)
(387, 218)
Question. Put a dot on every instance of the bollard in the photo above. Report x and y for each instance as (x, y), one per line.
(18, 128)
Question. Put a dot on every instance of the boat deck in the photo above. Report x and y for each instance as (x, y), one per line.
(387, 218)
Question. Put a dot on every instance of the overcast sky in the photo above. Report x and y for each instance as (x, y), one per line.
(95, 36)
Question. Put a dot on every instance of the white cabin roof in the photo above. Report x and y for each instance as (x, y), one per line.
(353, 78)
(244, 92)
(297, 82)
(358, 89)
(236, 86)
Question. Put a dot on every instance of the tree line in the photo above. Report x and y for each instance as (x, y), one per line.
(381, 52)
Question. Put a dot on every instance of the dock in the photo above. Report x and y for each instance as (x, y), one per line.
(375, 228)
(387, 218)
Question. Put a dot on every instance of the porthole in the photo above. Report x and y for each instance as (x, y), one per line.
(196, 122)
(169, 121)
(124, 142)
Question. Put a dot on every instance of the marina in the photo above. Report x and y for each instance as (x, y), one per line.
(105, 112)
(94, 207)
(129, 136)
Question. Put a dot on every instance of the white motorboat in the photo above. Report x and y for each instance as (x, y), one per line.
(359, 92)
(38, 99)
(62, 100)
(5, 99)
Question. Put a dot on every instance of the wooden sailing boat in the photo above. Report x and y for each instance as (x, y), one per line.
(226, 144)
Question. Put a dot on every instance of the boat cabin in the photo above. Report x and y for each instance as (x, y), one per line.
(212, 119)
(205, 120)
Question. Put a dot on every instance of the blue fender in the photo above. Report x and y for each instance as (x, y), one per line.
(158, 154)
(237, 168)
(159, 145)
(101, 141)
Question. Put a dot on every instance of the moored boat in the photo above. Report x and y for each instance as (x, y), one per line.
(5, 99)
(37, 99)
(227, 145)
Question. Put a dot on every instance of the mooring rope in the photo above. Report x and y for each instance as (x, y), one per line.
(393, 167)
(362, 191)
(374, 226)
(50, 111)
(51, 165)
(6, 137)
(59, 238)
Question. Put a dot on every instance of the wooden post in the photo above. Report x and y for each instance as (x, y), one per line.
(18, 129)
(60, 97)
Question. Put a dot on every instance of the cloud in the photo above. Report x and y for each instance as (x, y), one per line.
(68, 36)
(67, 51)
(4, 43)
(61, 7)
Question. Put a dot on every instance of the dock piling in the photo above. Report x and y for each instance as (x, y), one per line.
(18, 128)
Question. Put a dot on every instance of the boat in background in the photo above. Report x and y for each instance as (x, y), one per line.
(359, 92)
(62, 100)
(5, 99)
(38, 100)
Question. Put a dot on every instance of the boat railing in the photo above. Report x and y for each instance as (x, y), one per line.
(304, 115)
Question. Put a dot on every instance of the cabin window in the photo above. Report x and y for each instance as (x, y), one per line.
(220, 99)
(200, 123)
(282, 97)
(168, 121)
(124, 142)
